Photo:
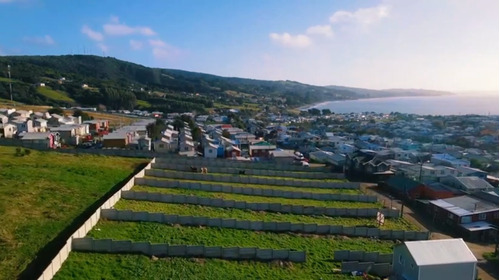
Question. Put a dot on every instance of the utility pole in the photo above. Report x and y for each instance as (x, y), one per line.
(10, 85)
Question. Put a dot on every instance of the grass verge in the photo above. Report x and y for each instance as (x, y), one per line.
(40, 195)
(215, 212)
(284, 188)
(260, 199)
(319, 250)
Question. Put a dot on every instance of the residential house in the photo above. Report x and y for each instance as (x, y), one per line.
(118, 139)
(433, 260)
(71, 134)
(282, 156)
(365, 163)
(21, 114)
(40, 125)
(261, 149)
(210, 150)
(469, 171)
(23, 125)
(98, 127)
(232, 152)
(345, 149)
(467, 184)
(469, 215)
(449, 160)
(7, 130)
(41, 140)
(3, 118)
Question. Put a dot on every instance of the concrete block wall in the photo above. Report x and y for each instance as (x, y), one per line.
(185, 251)
(254, 191)
(249, 179)
(249, 171)
(272, 226)
(271, 207)
(361, 256)
(81, 232)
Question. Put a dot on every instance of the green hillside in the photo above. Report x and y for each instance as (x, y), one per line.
(119, 84)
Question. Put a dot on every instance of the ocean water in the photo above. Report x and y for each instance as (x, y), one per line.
(422, 105)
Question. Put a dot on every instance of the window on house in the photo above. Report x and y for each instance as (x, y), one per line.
(466, 219)
(482, 216)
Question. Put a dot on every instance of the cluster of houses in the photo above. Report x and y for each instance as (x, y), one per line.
(447, 189)
(44, 130)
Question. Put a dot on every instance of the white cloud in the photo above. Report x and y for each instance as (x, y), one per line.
(136, 45)
(119, 29)
(103, 47)
(94, 35)
(40, 40)
(294, 41)
(324, 30)
(162, 50)
(362, 16)
(157, 43)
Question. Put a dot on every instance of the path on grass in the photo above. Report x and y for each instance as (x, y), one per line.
(485, 270)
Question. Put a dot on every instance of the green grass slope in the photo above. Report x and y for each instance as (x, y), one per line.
(40, 195)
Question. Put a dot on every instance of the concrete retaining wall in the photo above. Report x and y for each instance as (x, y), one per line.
(271, 207)
(249, 170)
(378, 269)
(63, 254)
(185, 251)
(214, 162)
(254, 191)
(362, 256)
(127, 215)
(251, 179)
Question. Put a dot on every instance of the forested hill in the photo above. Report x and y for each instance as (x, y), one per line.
(118, 84)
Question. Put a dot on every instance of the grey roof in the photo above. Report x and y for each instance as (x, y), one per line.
(474, 183)
(443, 251)
(465, 205)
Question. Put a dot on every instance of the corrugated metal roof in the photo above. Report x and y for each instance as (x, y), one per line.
(443, 251)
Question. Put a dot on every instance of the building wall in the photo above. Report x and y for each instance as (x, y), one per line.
(210, 152)
(404, 265)
(459, 271)
(120, 143)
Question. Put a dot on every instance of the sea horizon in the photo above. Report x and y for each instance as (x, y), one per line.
(456, 104)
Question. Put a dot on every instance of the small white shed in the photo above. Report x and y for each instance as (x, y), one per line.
(433, 260)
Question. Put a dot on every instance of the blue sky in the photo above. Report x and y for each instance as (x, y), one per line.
(443, 45)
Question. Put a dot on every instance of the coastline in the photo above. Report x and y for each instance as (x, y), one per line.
(468, 104)
(314, 105)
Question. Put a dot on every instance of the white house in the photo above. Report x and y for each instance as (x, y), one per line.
(7, 130)
(210, 150)
(433, 260)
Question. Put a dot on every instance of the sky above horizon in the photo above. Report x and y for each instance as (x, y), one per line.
(448, 45)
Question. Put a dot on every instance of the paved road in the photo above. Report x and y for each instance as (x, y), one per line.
(485, 271)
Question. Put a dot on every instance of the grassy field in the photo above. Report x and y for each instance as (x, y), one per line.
(40, 195)
(143, 103)
(319, 250)
(283, 188)
(90, 266)
(263, 199)
(239, 214)
(54, 94)
(265, 177)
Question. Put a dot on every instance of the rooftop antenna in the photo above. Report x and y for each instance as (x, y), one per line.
(10, 85)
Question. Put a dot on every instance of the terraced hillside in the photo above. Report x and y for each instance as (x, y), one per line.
(239, 221)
